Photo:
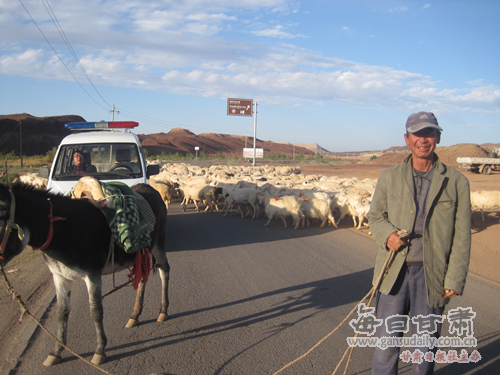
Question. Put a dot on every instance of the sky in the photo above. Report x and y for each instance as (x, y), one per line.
(345, 74)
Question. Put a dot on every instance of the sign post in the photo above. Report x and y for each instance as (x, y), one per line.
(244, 107)
(254, 134)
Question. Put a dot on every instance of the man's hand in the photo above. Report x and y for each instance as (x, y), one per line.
(394, 243)
(448, 293)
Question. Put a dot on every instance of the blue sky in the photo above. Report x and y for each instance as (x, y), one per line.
(343, 74)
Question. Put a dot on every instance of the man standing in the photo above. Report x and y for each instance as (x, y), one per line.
(432, 202)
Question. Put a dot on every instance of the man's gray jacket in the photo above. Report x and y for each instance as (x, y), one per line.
(447, 232)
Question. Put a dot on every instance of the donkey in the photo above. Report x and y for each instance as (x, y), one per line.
(75, 237)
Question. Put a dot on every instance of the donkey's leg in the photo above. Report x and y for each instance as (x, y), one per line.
(63, 293)
(139, 302)
(94, 287)
(164, 271)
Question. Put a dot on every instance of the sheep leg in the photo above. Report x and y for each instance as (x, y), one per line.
(360, 219)
(323, 222)
(225, 208)
(270, 218)
(284, 221)
(184, 204)
(331, 220)
(210, 204)
(255, 212)
(196, 205)
(354, 220)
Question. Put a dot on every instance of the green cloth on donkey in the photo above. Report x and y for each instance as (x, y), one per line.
(128, 224)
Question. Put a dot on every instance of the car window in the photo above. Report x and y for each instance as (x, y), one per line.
(100, 159)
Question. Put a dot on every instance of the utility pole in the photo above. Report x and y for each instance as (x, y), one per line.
(254, 135)
(113, 112)
(293, 150)
(21, 142)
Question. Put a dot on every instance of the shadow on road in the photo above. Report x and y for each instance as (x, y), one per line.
(316, 296)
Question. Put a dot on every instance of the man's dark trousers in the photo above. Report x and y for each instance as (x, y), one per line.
(409, 295)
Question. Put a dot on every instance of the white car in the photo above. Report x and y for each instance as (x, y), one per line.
(111, 152)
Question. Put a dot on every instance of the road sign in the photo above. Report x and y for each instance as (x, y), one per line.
(248, 153)
(239, 107)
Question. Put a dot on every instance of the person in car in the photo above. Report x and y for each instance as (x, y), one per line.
(79, 166)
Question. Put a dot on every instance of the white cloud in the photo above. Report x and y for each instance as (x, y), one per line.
(426, 6)
(172, 46)
(398, 9)
(275, 32)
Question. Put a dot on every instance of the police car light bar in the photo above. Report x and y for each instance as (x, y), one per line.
(101, 125)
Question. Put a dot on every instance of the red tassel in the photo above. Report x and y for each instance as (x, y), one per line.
(141, 268)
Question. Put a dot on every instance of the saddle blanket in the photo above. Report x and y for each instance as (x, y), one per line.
(128, 223)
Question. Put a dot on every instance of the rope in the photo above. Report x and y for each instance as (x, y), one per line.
(403, 234)
(17, 297)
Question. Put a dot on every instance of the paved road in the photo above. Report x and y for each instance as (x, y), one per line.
(246, 299)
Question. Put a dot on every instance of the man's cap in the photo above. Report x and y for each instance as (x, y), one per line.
(421, 120)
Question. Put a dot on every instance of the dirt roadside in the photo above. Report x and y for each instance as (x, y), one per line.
(31, 278)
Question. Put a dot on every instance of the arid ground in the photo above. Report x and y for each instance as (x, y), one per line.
(31, 278)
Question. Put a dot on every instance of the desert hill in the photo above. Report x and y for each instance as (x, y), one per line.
(447, 154)
(184, 141)
(39, 134)
(313, 147)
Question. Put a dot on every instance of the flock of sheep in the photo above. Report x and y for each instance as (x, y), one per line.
(276, 192)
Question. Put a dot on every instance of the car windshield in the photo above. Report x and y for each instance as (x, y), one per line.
(102, 160)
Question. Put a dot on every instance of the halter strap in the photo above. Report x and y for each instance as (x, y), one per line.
(10, 225)
(51, 228)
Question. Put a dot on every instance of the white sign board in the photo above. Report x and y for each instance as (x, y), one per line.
(248, 153)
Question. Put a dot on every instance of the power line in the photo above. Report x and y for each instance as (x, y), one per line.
(59, 57)
(165, 124)
(150, 120)
(59, 28)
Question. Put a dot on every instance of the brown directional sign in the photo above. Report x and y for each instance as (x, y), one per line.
(239, 107)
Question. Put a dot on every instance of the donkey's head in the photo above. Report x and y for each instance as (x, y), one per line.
(13, 238)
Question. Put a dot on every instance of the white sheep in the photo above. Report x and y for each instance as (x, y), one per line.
(485, 200)
(198, 193)
(165, 188)
(358, 208)
(281, 207)
(239, 197)
(34, 179)
(316, 208)
(347, 203)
